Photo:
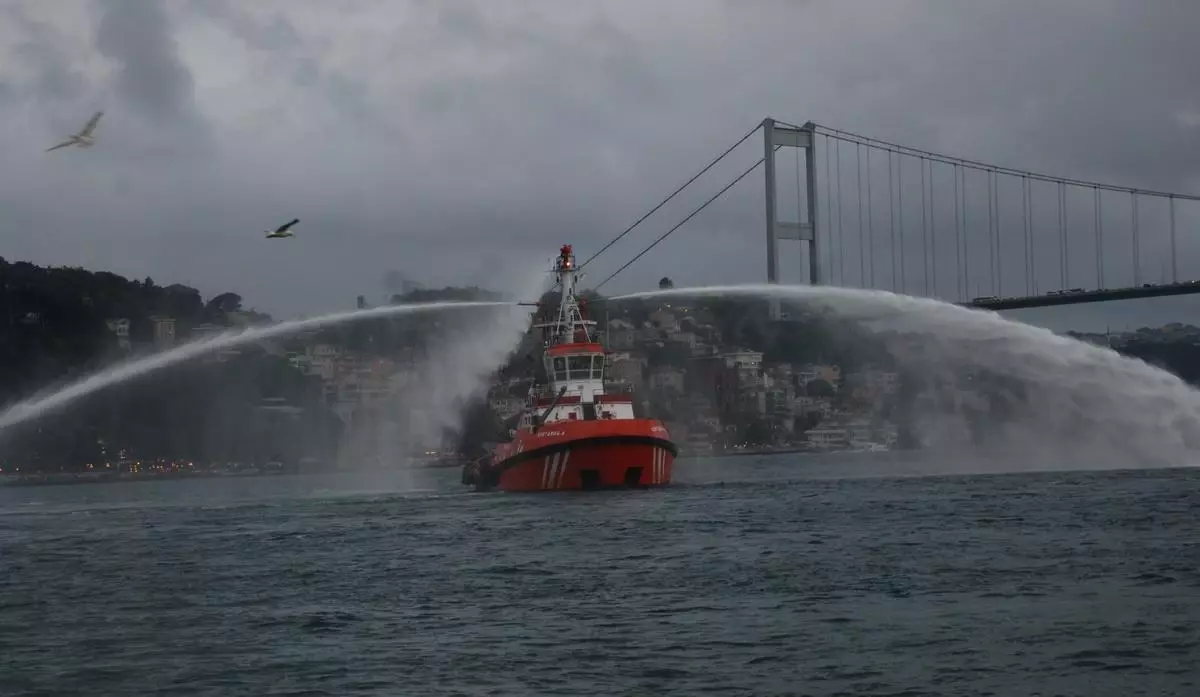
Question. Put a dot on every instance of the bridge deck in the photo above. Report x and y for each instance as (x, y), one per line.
(1086, 296)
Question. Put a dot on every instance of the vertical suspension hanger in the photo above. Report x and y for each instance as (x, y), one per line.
(1032, 239)
(870, 217)
(999, 235)
(800, 213)
(991, 228)
(892, 223)
(958, 261)
(828, 210)
(1099, 225)
(862, 252)
(1062, 240)
(1026, 243)
(933, 229)
(1066, 239)
(900, 208)
(841, 243)
(924, 226)
(1137, 268)
(966, 235)
(1174, 263)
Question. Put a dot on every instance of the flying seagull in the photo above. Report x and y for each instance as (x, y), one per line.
(83, 138)
(283, 230)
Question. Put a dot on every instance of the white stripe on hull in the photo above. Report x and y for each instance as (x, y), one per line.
(546, 470)
(554, 469)
(658, 471)
(566, 455)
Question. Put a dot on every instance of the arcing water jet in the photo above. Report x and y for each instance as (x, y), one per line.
(454, 371)
(1083, 401)
(38, 406)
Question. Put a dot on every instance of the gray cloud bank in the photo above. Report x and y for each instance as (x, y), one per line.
(449, 139)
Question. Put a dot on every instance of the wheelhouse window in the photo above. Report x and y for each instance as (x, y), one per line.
(580, 367)
(597, 367)
(560, 369)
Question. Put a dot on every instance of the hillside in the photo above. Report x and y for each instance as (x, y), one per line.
(716, 369)
(60, 323)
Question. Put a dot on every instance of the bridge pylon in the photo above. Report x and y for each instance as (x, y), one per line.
(777, 136)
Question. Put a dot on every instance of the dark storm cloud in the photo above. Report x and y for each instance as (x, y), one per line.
(275, 33)
(1077, 88)
(408, 135)
(150, 75)
(40, 51)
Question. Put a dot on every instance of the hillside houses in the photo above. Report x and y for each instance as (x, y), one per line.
(712, 395)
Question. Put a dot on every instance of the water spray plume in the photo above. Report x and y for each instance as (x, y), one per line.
(39, 406)
(455, 370)
(1083, 401)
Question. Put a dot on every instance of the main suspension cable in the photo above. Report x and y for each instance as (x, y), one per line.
(681, 223)
(675, 193)
(839, 134)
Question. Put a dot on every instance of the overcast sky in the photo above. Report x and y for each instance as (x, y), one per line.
(460, 142)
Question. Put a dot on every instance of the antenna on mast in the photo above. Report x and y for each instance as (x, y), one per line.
(570, 317)
(569, 324)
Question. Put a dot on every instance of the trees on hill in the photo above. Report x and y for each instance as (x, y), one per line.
(223, 304)
(59, 323)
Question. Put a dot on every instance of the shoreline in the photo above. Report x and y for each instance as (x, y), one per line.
(81, 478)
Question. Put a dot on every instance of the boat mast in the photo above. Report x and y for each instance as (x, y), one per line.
(570, 318)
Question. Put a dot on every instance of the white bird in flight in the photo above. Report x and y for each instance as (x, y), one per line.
(282, 230)
(83, 138)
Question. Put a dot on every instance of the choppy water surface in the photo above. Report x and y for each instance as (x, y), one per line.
(787, 576)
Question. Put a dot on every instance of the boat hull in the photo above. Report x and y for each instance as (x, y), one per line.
(581, 456)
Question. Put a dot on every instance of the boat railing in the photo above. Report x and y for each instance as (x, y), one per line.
(543, 392)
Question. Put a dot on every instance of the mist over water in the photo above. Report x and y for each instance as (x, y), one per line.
(455, 369)
(458, 356)
(1084, 405)
(38, 406)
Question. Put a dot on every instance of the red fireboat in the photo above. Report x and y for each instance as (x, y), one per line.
(573, 433)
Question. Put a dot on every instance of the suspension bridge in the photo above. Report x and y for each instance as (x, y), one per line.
(877, 215)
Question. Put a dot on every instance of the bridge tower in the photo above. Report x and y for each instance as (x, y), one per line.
(777, 136)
